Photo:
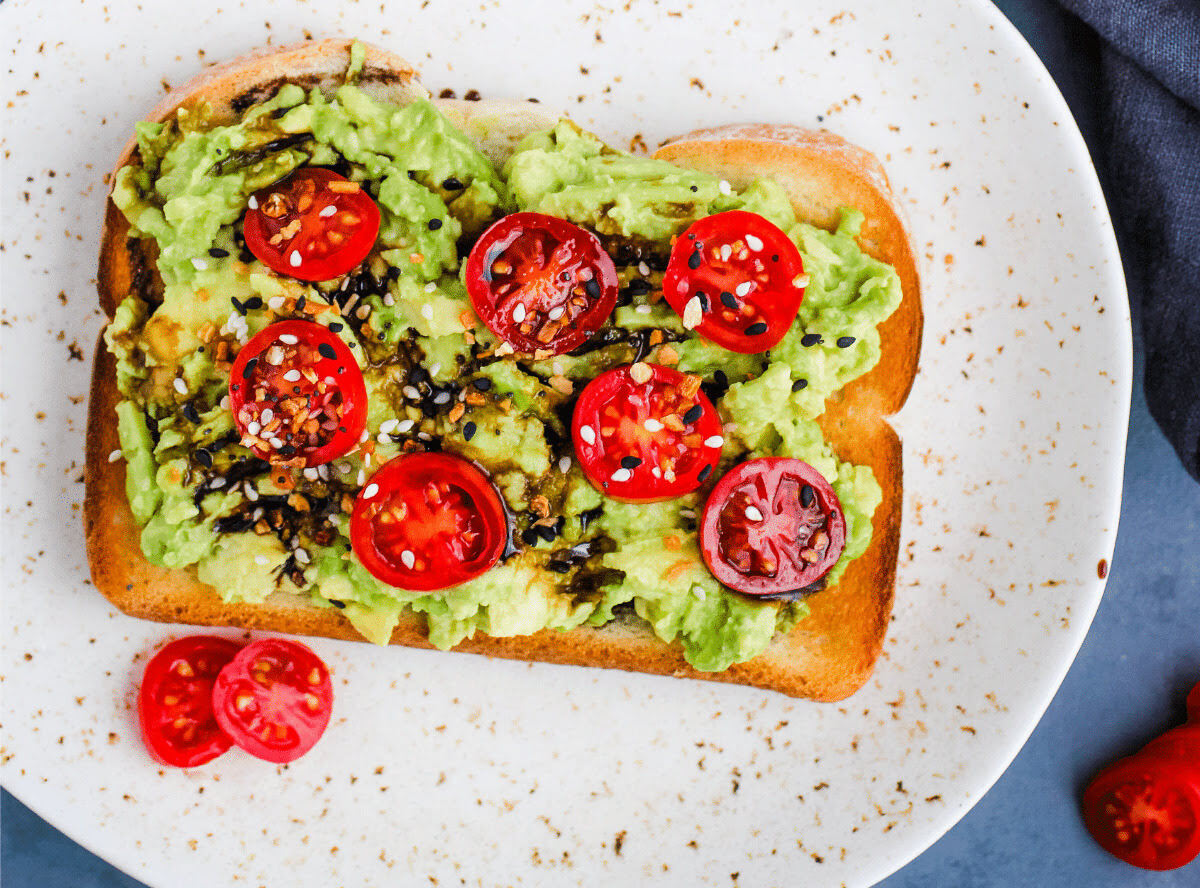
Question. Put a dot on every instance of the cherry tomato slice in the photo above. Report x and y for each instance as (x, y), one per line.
(297, 394)
(736, 279)
(428, 521)
(1146, 811)
(645, 433)
(541, 283)
(314, 225)
(175, 706)
(274, 699)
(771, 526)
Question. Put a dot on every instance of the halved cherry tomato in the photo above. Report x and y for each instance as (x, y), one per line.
(428, 521)
(1145, 809)
(645, 433)
(297, 394)
(314, 225)
(274, 699)
(771, 526)
(175, 701)
(541, 283)
(736, 279)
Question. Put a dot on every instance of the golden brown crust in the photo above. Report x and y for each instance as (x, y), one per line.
(827, 657)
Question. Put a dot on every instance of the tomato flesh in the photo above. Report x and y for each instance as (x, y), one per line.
(645, 433)
(1146, 811)
(427, 521)
(297, 394)
(772, 526)
(274, 699)
(736, 279)
(540, 283)
(314, 225)
(175, 707)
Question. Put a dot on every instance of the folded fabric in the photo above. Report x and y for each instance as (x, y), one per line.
(1151, 122)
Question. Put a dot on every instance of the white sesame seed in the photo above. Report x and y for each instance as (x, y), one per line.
(261, 559)
(294, 259)
(800, 280)
(292, 376)
(726, 252)
(253, 202)
(435, 369)
(699, 592)
(442, 398)
(621, 475)
(328, 211)
(431, 287)
(687, 513)
(225, 402)
(640, 372)
(311, 474)
(656, 471)
(754, 243)
(519, 313)
(302, 556)
(643, 269)
(253, 428)
(363, 437)
(370, 491)
(383, 438)
(362, 477)
(744, 288)
(276, 443)
(180, 385)
(408, 558)
(388, 426)
(199, 264)
(693, 313)
(115, 455)
(564, 464)
(323, 471)
(724, 187)
(389, 300)
(275, 303)
(216, 483)
(251, 493)
(410, 392)
(653, 425)
(267, 415)
(289, 339)
(643, 309)
(555, 313)
(753, 514)
(588, 434)
(714, 441)
(427, 312)
(557, 367)
(363, 311)
(405, 426)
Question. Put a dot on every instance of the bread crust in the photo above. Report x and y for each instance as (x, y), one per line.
(827, 656)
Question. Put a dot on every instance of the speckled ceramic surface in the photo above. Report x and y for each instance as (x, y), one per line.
(452, 769)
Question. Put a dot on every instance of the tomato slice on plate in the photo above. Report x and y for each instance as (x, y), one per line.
(314, 225)
(645, 433)
(736, 279)
(428, 521)
(274, 699)
(297, 394)
(1146, 810)
(541, 283)
(772, 526)
(175, 705)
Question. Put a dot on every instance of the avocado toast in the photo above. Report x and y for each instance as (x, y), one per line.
(189, 528)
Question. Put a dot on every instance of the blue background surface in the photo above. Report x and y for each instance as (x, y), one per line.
(1140, 657)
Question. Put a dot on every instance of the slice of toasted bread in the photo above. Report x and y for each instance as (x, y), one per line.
(827, 657)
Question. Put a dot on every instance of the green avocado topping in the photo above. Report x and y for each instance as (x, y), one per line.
(204, 499)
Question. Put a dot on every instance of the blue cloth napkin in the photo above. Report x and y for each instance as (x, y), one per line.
(1150, 107)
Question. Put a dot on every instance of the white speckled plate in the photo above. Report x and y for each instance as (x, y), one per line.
(460, 770)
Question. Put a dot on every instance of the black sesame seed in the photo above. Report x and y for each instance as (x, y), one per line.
(630, 462)
(301, 302)
(238, 305)
(452, 184)
(704, 473)
(246, 256)
(341, 370)
(287, 450)
(190, 414)
(694, 260)
(593, 287)
(434, 224)
(694, 188)
(703, 297)
(756, 329)
(393, 272)
(808, 496)
(482, 383)
(694, 414)
(729, 300)
(720, 378)
(249, 368)
(337, 327)
(639, 287)
(253, 303)
(845, 341)
(808, 340)
(469, 431)
(326, 351)
(530, 537)
(351, 345)
(799, 384)
(217, 252)
(204, 458)
(546, 533)
(561, 567)
(775, 257)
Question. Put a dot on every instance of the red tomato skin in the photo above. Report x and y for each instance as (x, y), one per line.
(587, 250)
(406, 475)
(776, 305)
(617, 385)
(259, 228)
(772, 469)
(151, 716)
(350, 383)
(299, 665)
(1166, 775)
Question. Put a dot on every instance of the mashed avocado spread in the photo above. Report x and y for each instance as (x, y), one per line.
(204, 500)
